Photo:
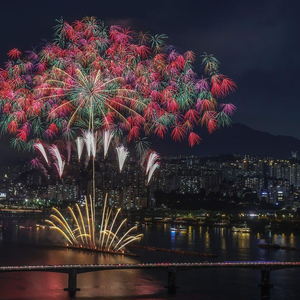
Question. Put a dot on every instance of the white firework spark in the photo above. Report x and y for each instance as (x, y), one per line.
(152, 165)
(59, 164)
(152, 159)
(39, 146)
(89, 139)
(122, 154)
(79, 145)
(151, 171)
(107, 136)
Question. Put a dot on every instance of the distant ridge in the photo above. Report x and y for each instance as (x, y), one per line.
(237, 138)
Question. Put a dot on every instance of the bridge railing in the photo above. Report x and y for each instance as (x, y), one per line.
(170, 268)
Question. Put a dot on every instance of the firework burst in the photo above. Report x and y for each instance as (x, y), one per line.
(95, 79)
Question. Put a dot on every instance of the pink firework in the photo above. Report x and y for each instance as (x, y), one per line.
(194, 139)
(35, 163)
(14, 53)
(228, 108)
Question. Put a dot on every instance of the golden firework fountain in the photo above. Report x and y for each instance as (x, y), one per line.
(80, 230)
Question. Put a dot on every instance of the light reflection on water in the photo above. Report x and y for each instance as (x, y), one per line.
(207, 239)
(283, 239)
(21, 247)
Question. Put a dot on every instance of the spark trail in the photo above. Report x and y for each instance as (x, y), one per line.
(107, 137)
(79, 228)
(79, 145)
(59, 163)
(122, 153)
(152, 165)
(39, 146)
(89, 139)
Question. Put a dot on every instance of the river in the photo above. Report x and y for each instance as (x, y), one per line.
(26, 246)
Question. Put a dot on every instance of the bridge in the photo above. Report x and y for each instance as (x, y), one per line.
(171, 268)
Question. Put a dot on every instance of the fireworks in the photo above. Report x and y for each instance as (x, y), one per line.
(122, 154)
(92, 79)
(79, 144)
(141, 145)
(39, 146)
(59, 163)
(80, 229)
(151, 171)
(107, 136)
(152, 165)
(89, 140)
(96, 79)
(152, 158)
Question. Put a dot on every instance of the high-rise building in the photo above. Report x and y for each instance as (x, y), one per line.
(63, 192)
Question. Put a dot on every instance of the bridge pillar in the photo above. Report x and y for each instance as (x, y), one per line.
(72, 282)
(265, 278)
(172, 272)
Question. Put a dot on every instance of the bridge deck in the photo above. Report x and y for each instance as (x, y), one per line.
(265, 268)
(92, 267)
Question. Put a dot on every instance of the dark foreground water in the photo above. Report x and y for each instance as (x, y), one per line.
(22, 246)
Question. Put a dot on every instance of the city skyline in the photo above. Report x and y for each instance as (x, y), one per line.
(181, 182)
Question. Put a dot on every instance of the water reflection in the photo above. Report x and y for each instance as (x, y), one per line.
(190, 235)
(207, 239)
(173, 239)
(20, 246)
(223, 239)
(165, 227)
(292, 240)
(276, 238)
(241, 240)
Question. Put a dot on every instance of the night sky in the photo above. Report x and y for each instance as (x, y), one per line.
(257, 43)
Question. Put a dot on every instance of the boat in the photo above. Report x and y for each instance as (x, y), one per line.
(241, 228)
(276, 246)
(178, 228)
(269, 246)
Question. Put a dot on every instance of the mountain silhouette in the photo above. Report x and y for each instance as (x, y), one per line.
(236, 139)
